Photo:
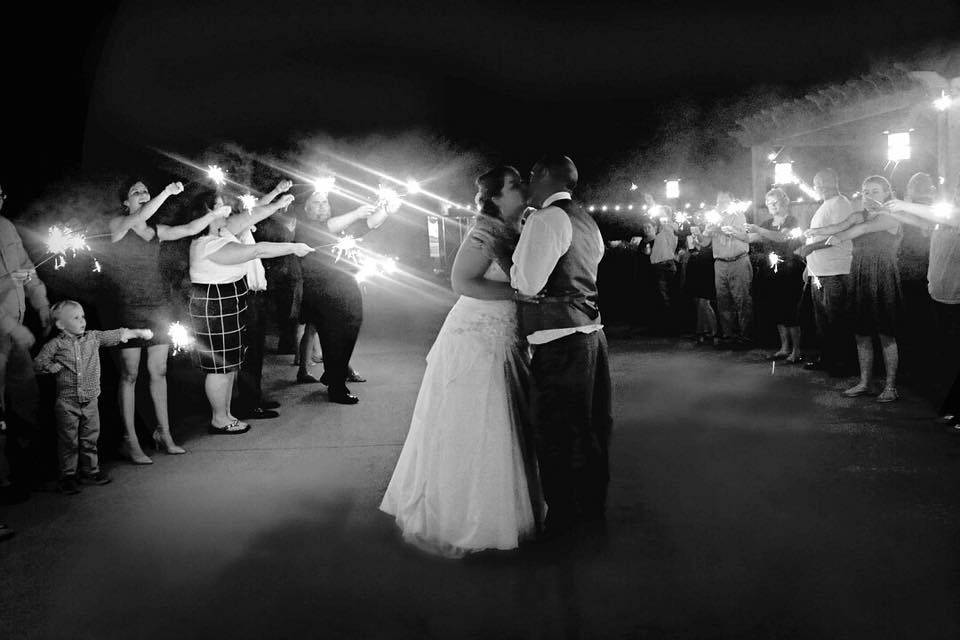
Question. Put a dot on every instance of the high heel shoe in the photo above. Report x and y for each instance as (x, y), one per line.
(161, 444)
(126, 451)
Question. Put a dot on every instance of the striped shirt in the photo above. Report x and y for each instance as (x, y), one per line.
(76, 361)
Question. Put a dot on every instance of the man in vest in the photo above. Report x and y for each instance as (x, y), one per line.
(555, 274)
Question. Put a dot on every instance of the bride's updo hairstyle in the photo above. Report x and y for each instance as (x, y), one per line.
(489, 186)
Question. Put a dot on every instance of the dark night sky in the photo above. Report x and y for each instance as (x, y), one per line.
(593, 79)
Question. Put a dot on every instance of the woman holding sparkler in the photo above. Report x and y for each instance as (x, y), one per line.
(218, 271)
(877, 297)
(138, 299)
(779, 282)
(461, 484)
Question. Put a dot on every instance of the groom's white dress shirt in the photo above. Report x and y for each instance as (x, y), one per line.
(546, 236)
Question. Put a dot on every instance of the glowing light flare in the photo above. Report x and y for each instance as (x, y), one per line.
(775, 260)
(180, 337)
(248, 201)
(771, 156)
(944, 102)
(783, 173)
(388, 198)
(591, 208)
(633, 186)
(943, 209)
(347, 247)
(898, 146)
(603, 208)
(413, 187)
(713, 217)
(673, 189)
(616, 208)
(795, 234)
(739, 206)
(808, 190)
(681, 218)
(217, 175)
(61, 240)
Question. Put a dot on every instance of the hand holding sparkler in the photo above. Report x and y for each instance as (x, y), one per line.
(22, 276)
(172, 189)
(285, 201)
(795, 234)
(300, 249)
(775, 260)
(180, 338)
(283, 186)
(221, 211)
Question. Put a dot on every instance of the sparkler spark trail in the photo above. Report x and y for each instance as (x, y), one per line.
(248, 201)
(217, 175)
(775, 260)
(180, 338)
(324, 184)
(347, 246)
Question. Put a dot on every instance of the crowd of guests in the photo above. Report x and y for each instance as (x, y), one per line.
(218, 261)
(730, 282)
(228, 265)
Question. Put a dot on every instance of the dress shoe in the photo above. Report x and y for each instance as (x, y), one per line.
(259, 413)
(306, 378)
(353, 376)
(269, 404)
(342, 395)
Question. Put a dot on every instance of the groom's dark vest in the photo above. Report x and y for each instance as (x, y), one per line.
(569, 298)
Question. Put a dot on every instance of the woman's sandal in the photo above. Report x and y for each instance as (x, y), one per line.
(231, 428)
(856, 390)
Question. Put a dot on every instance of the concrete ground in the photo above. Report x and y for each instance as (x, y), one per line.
(746, 501)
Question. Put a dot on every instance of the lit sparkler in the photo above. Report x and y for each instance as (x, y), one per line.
(413, 187)
(324, 185)
(388, 198)
(63, 239)
(248, 201)
(681, 218)
(180, 337)
(795, 234)
(942, 209)
(713, 217)
(347, 247)
(775, 260)
(217, 175)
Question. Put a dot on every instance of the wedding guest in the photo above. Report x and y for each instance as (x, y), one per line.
(830, 285)
(779, 282)
(138, 297)
(877, 299)
(74, 356)
(943, 276)
(733, 274)
(332, 302)
(18, 283)
(218, 270)
(250, 401)
(663, 259)
(700, 285)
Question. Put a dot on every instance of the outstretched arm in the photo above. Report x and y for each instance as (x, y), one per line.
(167, 233)
(833, 229)
(237, 253)
(238, 224)
(120, 225)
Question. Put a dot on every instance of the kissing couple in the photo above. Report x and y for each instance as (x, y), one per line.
(510, 433)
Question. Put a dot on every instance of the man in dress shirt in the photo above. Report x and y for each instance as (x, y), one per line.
(555, 274)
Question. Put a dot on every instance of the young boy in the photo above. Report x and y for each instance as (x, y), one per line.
(74, 356)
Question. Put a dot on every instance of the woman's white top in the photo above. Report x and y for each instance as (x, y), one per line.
(203, 270)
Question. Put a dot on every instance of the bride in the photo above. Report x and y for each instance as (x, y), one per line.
(463, 483)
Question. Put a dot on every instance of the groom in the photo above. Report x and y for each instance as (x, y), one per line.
(555, 274)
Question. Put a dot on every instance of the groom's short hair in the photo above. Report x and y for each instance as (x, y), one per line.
(561, 169)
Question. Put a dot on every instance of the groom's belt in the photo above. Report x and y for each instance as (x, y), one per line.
(579, 302)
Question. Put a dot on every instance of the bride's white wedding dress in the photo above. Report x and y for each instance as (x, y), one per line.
(460, 484)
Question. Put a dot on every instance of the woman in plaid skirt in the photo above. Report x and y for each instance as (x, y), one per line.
(218, 268)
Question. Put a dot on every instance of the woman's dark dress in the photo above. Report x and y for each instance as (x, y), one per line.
(135, 296)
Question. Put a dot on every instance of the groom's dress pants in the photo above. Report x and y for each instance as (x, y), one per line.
(572, 420)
